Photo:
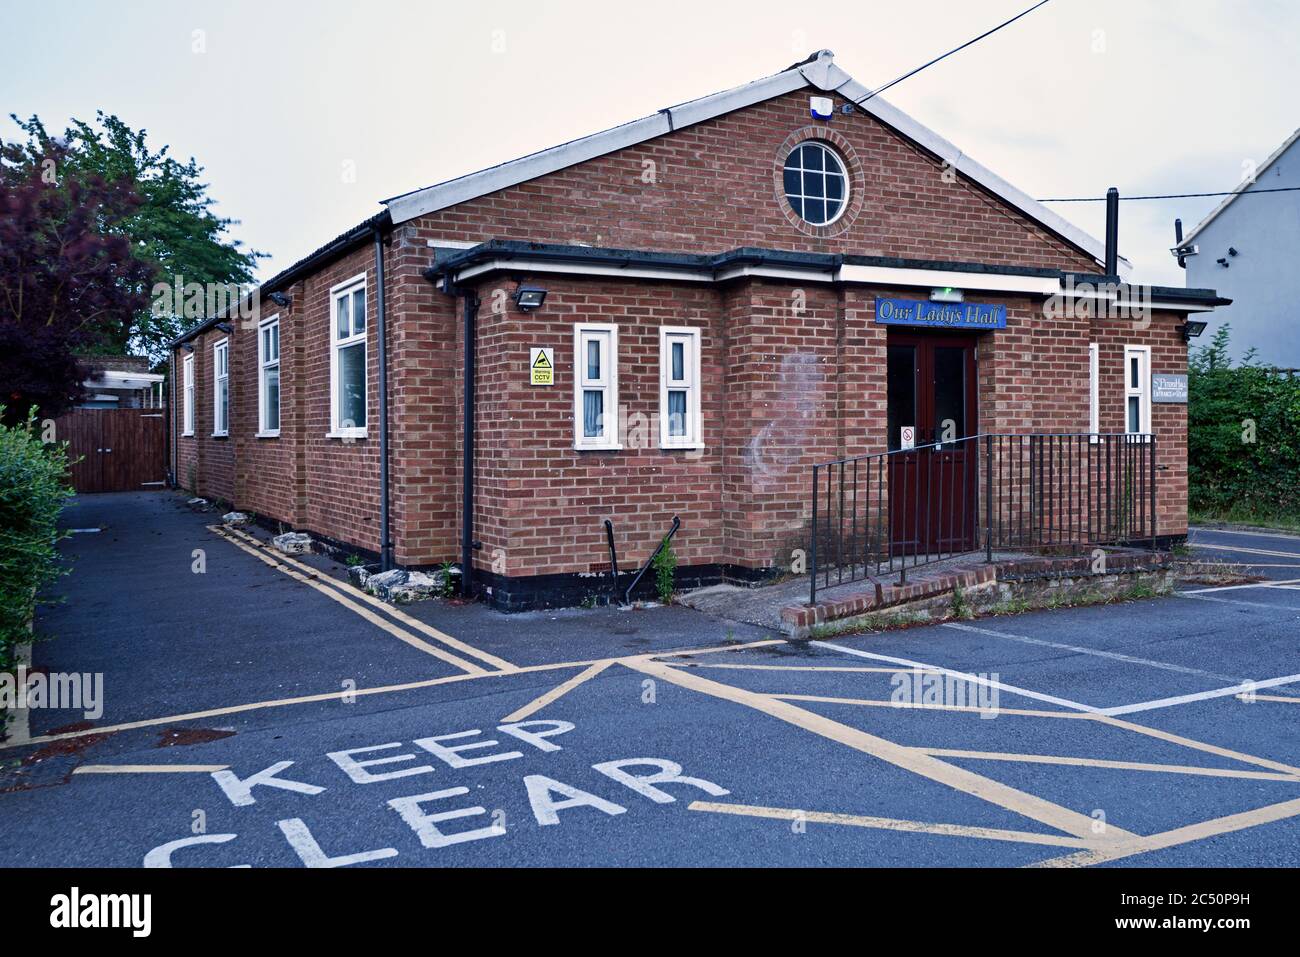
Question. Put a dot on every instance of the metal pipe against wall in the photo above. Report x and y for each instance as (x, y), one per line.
(385, 538)
(467, 476)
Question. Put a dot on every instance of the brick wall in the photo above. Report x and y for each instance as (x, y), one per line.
(792, 375)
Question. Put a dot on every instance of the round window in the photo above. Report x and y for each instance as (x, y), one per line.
(816, 183)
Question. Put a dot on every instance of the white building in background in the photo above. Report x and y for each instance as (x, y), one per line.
(1248, 250)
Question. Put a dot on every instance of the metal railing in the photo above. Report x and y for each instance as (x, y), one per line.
(889, 512)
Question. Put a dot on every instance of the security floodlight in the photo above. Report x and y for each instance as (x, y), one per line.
(529, 298)
(1193, 328)
(280, 299)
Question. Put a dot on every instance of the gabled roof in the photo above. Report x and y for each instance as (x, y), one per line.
(1242, 187)
(818, 72)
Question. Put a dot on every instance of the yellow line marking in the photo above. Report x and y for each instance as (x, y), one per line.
(889, 824)
(1277, 697)
(986, 789)
(1180, 835)
(886, 671)
(717, 649)
(346, 602)
(371, 600)
(149, 768)
(1104, 763)
(1196, 745)
(1272, 553)
(284, 702)
(907, 705)
(537, 704)
(326, 696)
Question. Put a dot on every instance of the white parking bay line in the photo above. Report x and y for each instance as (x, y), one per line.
(1095, 652)
(1264, 584)
(975, 679)
(1235, 601)
(1243, 688)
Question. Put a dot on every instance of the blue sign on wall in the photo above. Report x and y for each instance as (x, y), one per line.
(940, 315)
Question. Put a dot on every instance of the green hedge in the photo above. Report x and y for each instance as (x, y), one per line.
(33, 489)
(1243, 433)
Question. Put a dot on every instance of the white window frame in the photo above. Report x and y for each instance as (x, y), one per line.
(348, 287)
(842, 171)
(220, 348)
(1094, 392)
(1142, 391)
(187, 395)
(264, 365)
(690, 384)
(606, 333)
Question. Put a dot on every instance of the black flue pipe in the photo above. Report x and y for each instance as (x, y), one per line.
(1112, 232)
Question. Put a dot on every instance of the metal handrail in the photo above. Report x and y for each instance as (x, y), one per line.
(984, 492)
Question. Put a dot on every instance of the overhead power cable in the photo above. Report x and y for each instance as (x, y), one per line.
(1230, 192)
(909, 73)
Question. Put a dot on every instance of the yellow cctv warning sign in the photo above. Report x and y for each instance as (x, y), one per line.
(541, 366)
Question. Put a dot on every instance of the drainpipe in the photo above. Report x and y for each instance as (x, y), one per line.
(171, 419)
(385, 538)
(1112, 232)
(467, 476)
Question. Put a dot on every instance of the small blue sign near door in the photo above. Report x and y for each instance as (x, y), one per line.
(940, 315)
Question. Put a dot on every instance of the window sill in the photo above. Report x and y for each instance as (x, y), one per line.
(360, 434)
(267, 435)
(187, 435)
(607, 447)
(682, 447)
(221, 435)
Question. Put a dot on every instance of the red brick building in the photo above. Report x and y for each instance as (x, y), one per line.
(714, 278)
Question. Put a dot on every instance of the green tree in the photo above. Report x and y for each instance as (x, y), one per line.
(174, 228)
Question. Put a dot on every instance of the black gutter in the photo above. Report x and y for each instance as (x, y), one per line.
(525, 252)
(341, 245)
(381, 334)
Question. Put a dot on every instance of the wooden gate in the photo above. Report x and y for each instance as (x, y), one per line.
(115, 450)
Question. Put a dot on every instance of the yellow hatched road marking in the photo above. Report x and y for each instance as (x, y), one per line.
(1104, 763)
(986, 789)
(558, 691)
(890, 824)
(918, 706)
(1179, 835)
(397, 613)
(863, 670)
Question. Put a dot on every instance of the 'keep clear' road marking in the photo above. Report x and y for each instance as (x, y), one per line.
(334, 595)
(411, 622)
(974, 679)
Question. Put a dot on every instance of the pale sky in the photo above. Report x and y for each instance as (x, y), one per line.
(305, 115)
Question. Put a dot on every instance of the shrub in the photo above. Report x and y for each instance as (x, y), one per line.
(665, 564)
(1243, 435)
(33, 489)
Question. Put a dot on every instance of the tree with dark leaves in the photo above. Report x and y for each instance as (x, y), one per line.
(68, 279)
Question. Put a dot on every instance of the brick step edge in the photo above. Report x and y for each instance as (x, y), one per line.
(798, 619)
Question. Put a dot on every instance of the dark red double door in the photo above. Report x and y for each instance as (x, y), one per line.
(932, 487)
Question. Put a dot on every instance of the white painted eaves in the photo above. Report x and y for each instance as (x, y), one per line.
(1242, 187)
(820, 73)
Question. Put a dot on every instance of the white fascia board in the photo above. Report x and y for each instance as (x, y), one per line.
(433, 198)
(582, 269)
(840, 82)
(938, 278)
(1242, 187)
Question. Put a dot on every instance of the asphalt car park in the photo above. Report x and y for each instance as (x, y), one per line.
(263, 713)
